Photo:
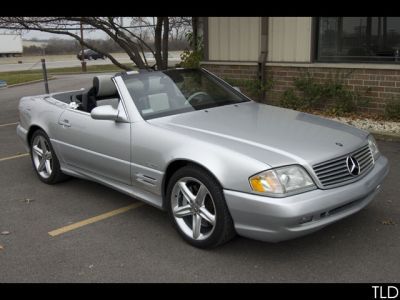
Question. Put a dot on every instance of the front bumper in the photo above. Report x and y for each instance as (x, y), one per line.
(277, 219)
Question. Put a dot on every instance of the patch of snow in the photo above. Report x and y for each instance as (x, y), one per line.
(383, 127)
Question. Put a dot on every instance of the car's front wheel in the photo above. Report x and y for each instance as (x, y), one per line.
(44, 159)
(197, 208)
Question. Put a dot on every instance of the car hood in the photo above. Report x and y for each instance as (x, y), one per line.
(273, 135)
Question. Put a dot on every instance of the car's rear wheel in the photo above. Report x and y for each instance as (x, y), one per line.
(197, 208)
(44, 159)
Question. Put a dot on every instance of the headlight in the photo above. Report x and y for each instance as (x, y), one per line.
(282, 181)
(373, 147)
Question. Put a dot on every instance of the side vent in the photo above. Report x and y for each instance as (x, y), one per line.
(142, 178)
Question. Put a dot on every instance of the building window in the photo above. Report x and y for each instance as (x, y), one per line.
(358, 39)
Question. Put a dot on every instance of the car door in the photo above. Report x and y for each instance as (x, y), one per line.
(100, 147)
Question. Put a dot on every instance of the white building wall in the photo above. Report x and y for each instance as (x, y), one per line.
(234, 38)
(238, 39)
(289, 39)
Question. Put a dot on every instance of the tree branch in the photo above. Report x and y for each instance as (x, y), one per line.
(78, 38)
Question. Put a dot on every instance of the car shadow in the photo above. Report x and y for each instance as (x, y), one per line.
(356, 229)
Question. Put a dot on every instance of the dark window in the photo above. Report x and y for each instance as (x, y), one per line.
(358, 39)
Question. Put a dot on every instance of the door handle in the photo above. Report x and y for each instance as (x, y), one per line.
(64, 123)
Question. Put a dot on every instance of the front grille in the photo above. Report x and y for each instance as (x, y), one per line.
(334, 172)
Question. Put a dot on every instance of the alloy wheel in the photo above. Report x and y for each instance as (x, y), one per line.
(193, 208)
(42, 156)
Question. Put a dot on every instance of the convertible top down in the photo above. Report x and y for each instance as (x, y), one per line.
(185, 141)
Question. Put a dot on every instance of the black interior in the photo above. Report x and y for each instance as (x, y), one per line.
(87, 100)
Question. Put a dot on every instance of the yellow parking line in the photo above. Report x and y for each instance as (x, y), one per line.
(8, 124)
(94, 219)
(14, 156)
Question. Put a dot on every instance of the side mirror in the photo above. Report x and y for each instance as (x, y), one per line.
(104, 112)
(237, 88)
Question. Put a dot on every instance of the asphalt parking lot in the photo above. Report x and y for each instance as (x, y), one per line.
(139, 245)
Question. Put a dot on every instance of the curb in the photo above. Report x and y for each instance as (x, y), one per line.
(83, 73)
(28, 82)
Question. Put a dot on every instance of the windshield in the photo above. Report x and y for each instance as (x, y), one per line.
(163, 93)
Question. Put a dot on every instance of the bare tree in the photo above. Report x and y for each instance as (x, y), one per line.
(133, 39)
(179, 26)
(165, 44)
(157, 40)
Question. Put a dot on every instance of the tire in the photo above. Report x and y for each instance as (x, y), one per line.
(48, 172)
(214, 224)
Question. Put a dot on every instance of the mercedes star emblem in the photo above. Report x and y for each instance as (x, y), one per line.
(353, 166)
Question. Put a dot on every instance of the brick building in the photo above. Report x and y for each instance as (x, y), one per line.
(362, 51)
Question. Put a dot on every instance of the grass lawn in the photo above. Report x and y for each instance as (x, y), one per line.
(25, 76)
(19, 77)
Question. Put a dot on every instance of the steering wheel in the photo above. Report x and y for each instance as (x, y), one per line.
(194, 95)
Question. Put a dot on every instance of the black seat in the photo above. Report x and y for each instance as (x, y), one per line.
(103, 88)
(89, 100)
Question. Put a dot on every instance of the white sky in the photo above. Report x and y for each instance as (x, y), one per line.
(95, 34)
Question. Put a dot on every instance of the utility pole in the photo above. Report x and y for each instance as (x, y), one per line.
(46, 84)
(83, 62)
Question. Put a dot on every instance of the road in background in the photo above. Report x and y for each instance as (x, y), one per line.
(8, 64)
(140, 245)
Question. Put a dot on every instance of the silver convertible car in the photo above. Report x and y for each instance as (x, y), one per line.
(185, 141)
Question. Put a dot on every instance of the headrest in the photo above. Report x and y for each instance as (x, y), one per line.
(136, 85)
(104, 86)
(155, 85)
(147, 85)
